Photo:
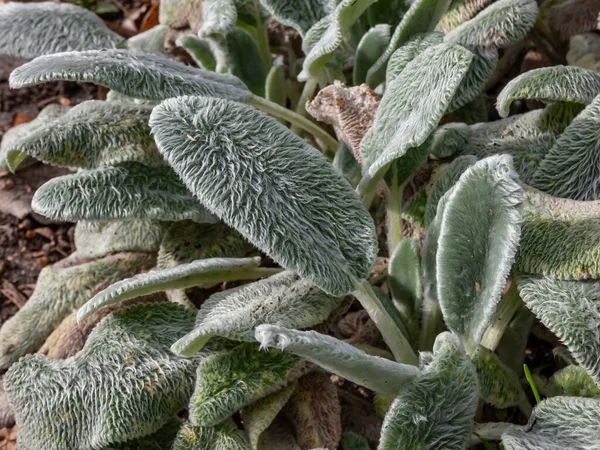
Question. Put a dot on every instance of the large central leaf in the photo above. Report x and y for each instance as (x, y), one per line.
(271, 186)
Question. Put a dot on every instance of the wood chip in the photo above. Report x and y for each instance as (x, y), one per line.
(44, 231)
(10, 291)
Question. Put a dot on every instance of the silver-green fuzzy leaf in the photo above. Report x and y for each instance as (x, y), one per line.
(549, 85)
(58, 292)
(370, 48)
(244, 60)
(35, 29)
(570, 309)
(221, 437)
(435, 411)
(204, 272)
(201, 50)
(129, 191)
(373, 372)
(96, 239)
(299, 15)
(123, 384)
(149, 41)
(459, 12)
(218, 17)
(92, 134)
(499, 385)
(230, 380)
(479, 236)
(413, 105)
(276, 190)
(405, 278)
(572, 381)
(283, 300)
(558, 423)
(138, 75)
(409, 51)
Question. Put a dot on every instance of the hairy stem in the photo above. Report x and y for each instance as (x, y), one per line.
(327, 141)
(394, 212)
(307, 93)
(506, 310)
(392, 335)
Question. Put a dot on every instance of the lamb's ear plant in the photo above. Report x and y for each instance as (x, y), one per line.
(185, 175)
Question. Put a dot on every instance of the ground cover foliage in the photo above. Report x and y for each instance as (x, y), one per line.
(371, 273)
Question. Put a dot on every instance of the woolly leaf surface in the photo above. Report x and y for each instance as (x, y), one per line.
(499, 385)
(220, 437)
(560, 237)
(409, 51)
(218, 17)
(370, 48)
(413, 104)
(479, 236)
(570, 309)
(405, 277)
(329, 39)
(124, 384)
(126, 192)
(35, 29)
(197, 273)
(549, 85)
(436, 409)
(139, 75)
(244, 60)
(345, 360)
(299, 15)
(159, 440)
(232, 379)
(91, 134)
(149, 41)
(572, 381)
(459, 12)
(283, 300)
(58, 292)
(276, 190)
(422, 16)
(556, 424)
(95, 239)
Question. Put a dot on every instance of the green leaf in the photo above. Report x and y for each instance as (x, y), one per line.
(478, 240)
(58, 292)
(218, 17)
(199, 49)
(559, 237)
(570, 309)
(35, 29)
(422, 17)
(459, 12)
(283, 300)
(405, 278)
(556, 424)
(370, 48)
(276, 89)
(92, 134)
(572, 381)
(444, 182)
(299, 15)
(230, 380)
(124, 384)
(436, 409)
(353, 441)
(139, 75)
(499, 385)
(346, 164)
(286, 199)
(127, 192)
(571, 167)
(549, 85)
(387, 12)
(473, 84)
(203, 272)
(413, 104)
(345, 360)
(220, 437)
(96, 239)
(409, 51)
(329, 39)
(244, 60)
(150, 41)
(259, 416)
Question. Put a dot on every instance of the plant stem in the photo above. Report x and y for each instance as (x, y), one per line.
(392, 335)
(367, 189)
(504, 313)
(394, 212)
(262, 40)
(327, 141)
(531, 382)
(431, 324)
(307, 93)
(492, 431)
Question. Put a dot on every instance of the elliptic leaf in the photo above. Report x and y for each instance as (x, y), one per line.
(405, 278)
(370, 48)
(203, 272)
(150, 41)
(570, 309)
(375, 373)
(459, 12)
(499, 385)
(139, 75)
(286, 198)
(276, 89)
(436, 409)
(129, 191)
(422, 17)
(572, 381)
(35, 29)
(232, 379)
(413, 104)
(58, 292)
(549, 85)
(299, 15)
(571, 169)
(91, 134)
(124, 384)
(341, 19)
(479, 236)
(409, 51)
(218, 18)
(283, 300)
(556, 424)
(220, 437)
(560, 238)
(244, 60)
(96, 239)
(199, 49)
